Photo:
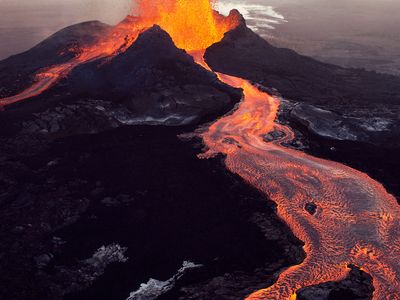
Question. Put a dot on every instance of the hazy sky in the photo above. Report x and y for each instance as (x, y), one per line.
(24, 23)
(20, 13)
(25, 13)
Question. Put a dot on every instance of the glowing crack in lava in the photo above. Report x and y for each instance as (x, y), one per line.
(193, 25)
(356, 222)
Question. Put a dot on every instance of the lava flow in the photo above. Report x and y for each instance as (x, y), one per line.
(356, 221)
(193, 25)
(118, 39)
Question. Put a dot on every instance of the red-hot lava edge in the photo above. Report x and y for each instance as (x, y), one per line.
(357, 222)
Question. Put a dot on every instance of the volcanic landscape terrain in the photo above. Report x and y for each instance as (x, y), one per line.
(171, 158)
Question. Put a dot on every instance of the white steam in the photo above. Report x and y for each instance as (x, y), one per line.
(258, 16)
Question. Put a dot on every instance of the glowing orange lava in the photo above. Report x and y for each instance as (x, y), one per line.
(193, 25)
(357, 222)
(118, 39)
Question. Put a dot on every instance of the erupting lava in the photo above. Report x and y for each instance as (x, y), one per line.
(357, 222)
(193, 26)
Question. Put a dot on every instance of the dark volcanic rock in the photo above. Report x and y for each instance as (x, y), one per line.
(17, 71)
(348, 105)
(155, 80)
(357, 286)
(238, 284)
(141, 188)
(331, 125)
(274, 135)
(374, 150)
(311, 208)
(245, 54)
(62, 198)
(152, 82)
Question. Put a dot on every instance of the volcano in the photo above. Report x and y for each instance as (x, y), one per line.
(178, 155)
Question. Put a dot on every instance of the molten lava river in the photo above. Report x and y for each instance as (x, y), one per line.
(356, 221)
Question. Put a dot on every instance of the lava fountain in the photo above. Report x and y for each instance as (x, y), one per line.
(356, 222)
(193, 25)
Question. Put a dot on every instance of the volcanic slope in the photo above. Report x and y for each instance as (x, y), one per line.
(18, 71)
(151, 82)
(327, 102)
(153, 78)
(244, 54)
